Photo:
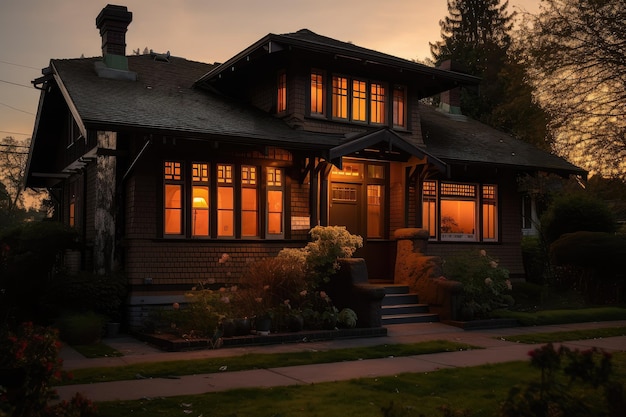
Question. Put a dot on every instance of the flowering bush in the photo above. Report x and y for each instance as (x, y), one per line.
(319, 258)
(486, 285)
(30, 356)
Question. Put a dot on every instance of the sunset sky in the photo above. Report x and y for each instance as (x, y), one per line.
(34, 31)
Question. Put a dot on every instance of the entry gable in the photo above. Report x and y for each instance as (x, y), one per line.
(383, 144)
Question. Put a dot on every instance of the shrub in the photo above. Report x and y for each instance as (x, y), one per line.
(33, 251)
(535, 258)
(320, 256)
(31, 351)
(576, 212)
(81, 328)
(557, 393)
(592, 264)
(486, 285)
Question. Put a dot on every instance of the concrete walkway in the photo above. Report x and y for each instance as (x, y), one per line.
(496, 350)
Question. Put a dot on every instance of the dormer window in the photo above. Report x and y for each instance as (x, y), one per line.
(281, 100)
(357, 100)
(340, 98)
(399, 106)
(377, 103)
(317, 93)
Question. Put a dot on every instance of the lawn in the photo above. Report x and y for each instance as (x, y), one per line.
(259, 361)
(477, 389)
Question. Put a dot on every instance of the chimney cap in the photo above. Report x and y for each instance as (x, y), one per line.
(114, 13)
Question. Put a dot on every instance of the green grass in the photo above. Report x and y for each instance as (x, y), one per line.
(564, 336)
(97, 350)
(259, 361)
(477, 389)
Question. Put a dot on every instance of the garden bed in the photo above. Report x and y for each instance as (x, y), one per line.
(175, 343)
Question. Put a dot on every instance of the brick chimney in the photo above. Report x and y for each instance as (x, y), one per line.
(450, 101)
(113, 23)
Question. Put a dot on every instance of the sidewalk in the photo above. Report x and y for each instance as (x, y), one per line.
(495, 350)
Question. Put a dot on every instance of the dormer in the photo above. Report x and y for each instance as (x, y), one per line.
(321, 84)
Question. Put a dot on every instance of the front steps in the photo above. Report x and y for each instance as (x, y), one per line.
(399, 306)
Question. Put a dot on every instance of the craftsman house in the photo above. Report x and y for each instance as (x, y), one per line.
(178, 171)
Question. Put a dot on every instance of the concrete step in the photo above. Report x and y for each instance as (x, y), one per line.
(395, 299)
(405, 309)
(409, 318)
(399, 306)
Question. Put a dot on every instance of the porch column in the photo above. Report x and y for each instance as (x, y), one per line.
(104, 222)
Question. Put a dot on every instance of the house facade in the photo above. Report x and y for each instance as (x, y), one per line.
(179, 172)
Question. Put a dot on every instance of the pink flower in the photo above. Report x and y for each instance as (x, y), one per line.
(483, 252)
(488, 282)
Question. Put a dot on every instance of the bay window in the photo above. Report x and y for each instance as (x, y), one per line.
(460, 212)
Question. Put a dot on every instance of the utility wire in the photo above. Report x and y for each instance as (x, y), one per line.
(14, 133)
(15, 108)
(19, 65)
(30, 87)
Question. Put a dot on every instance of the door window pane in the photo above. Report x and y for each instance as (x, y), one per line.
(374, 211)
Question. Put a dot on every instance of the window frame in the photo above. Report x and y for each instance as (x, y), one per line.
(432, 197)
(235, 183)
(348, 103)
(174, 177)
(274, 183)
(281, 92)
(319, 98)
(396, 113)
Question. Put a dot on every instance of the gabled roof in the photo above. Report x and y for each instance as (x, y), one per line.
(163, 100)
(431, 80)
(459, 140)
(392, 141)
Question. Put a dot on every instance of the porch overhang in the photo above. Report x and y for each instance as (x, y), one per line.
(393, 144)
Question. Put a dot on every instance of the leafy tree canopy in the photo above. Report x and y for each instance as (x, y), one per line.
(575, 52)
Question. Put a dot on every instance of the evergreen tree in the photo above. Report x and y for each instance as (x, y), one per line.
(476, 38)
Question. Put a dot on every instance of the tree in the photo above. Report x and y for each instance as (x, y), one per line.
(14, 199)
(575, 53)
(476, 38)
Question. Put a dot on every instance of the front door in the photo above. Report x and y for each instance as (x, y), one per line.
(346, 207)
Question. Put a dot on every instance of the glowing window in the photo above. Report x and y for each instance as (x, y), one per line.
(399, 107)
(173, 198)
(452, 212)
(374, 211)
(281, 104)
(225, 201)
(317, 93)
(377, 103)
(200, 199)
(490, 214)
(249, 202)
(359, 101)
(275, 208)
(340, 97)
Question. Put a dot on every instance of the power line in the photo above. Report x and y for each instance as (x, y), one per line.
(14, 146)
(19, 65)
(15, 108)
(30, 87)
(15, 133)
